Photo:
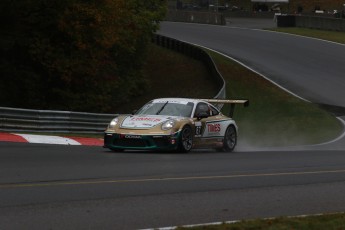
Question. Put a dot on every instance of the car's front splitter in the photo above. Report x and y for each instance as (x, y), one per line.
(116, 141)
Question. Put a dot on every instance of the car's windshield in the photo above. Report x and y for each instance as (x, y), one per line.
(167, 108)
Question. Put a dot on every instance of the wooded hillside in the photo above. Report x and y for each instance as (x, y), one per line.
(74, 54)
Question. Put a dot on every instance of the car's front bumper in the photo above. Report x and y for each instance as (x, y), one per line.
(116, 141)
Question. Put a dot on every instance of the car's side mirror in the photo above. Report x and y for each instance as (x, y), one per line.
(202, 115)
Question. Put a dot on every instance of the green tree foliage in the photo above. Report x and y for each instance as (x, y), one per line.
(81, 55)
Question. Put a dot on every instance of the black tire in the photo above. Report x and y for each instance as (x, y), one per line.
(186, 140)
(230, 139)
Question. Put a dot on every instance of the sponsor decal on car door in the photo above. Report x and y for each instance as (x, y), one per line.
(215, 128)
(210, 127)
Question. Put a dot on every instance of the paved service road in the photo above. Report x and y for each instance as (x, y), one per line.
(312, 69)
(79, 187)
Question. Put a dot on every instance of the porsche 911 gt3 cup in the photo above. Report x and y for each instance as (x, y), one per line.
(174, 124)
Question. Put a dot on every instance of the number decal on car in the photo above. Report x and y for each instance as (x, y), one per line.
(198, 128)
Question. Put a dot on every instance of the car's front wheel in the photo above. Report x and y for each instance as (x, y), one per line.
(230, 139)
(186, 140)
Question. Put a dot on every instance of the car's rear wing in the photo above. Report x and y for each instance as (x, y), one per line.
(231, 102)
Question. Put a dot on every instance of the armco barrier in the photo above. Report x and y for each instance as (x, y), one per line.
(14, 120)
(19, 120)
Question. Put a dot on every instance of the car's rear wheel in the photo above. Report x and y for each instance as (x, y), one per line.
(230, 139)
(186, 140)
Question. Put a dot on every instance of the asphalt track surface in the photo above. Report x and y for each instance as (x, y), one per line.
(79, 187)
(310, 68)
(82, 187)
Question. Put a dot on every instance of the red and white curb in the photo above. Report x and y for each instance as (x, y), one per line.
(44, 139)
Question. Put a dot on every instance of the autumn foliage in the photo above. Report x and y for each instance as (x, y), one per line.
(74, 54)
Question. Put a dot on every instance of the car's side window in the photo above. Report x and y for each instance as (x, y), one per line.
(201, 107)
(209, 109)
(214, 111)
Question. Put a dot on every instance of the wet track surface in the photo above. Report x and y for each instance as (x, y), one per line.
(310, 68)
(78, 187)
(81, 187)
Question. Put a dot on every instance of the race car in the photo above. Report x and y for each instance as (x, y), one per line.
(174, 124)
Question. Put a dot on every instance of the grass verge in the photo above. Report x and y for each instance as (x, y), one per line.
(274, 117)
(172, 74)
(328, 221)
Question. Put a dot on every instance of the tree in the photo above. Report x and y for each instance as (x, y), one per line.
(75, 54)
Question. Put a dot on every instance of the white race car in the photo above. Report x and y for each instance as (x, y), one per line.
(174, 124)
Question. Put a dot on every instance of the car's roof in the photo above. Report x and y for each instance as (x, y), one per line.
(176, 99)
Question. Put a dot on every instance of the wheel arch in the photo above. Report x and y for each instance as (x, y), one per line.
(230, 144)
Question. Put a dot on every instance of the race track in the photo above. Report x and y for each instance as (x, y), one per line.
(81, 187)
(311, 69)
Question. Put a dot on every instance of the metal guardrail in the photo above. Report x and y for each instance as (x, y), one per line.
(16, 120)
(27, 120)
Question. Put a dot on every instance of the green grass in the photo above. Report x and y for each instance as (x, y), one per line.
(334, 36)
(172, 74)
(329, 221)
(274, 117)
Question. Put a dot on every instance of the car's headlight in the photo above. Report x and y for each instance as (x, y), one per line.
(113, 123)
(168, 125)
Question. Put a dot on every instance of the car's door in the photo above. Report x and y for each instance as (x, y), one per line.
(207, 121)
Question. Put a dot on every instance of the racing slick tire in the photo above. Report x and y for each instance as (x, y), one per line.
(230, 139)
(186, 139)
